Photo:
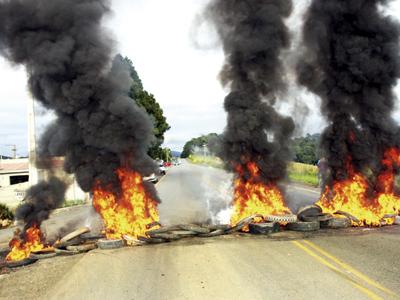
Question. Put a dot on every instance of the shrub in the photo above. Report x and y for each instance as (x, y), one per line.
(5, 213)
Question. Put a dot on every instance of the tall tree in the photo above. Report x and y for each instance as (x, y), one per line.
(153, 108)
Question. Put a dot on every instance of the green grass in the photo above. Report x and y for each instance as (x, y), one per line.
(70, 203)
(297, 172)
(303, 173)
(206, 160)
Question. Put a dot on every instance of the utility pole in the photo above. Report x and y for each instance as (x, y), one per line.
(33, 171)
(14, 151)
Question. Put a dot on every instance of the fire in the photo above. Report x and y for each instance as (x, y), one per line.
(356, 197)
(22, 249)
(254, 197)
(130, 213)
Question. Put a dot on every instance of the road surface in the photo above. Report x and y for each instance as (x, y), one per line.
(346, 264)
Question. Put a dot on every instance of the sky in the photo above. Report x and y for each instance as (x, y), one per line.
(178, 59)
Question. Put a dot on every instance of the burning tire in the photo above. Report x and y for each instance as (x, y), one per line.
(348, 216)
(304, 226)
(105, 244)
(281, 219)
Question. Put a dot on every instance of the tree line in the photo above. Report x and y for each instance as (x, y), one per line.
(304, 149)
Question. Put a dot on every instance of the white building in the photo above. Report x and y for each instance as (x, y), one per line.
(14, 181)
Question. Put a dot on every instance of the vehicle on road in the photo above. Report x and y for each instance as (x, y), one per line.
(152, 178)
(162, 169)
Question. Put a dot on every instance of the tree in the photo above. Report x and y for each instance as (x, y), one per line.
(149, 103)
(199, 142)
(305, 149)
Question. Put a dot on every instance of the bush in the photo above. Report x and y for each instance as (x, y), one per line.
(5, 213)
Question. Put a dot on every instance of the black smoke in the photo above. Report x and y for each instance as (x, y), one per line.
(253, 35)
(68, 58)
(352, 63)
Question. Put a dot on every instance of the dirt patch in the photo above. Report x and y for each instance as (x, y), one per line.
(34, 281)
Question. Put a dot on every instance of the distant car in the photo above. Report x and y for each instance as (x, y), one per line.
(167, 164)
(152, 178)
(161, 168)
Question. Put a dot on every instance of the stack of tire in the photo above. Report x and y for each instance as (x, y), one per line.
(311, 218)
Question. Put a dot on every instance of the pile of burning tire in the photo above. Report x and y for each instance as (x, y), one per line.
(308, 219)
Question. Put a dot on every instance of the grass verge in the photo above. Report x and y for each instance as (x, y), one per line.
(211, 161)
(70, 203)
(297, 172)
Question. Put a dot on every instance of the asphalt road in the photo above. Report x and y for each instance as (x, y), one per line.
(345, 264)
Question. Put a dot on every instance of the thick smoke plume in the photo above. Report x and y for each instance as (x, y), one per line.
(68, 59)
(352, 62)
(253, 35)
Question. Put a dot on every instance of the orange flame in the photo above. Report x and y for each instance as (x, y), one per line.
(253, 197)
(131, 212)
(22, 249)
(355, 196)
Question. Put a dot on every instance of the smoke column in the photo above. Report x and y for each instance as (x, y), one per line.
(352, 62)
(253, 34)
(68, 59)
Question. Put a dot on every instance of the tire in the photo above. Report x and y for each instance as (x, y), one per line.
(214, 233)
(165, 229)
(20, 263)
(151, 240)
(65, 252)
(264, 228)
(42, 256)
(223, 227)
(347, 215)
(195, 228)
(105, 244)
(167, 236)
(184, 233)
(304, 226)
(82, 248)
(319, 218)
(308, 211)
(281, 219)
(336, 223)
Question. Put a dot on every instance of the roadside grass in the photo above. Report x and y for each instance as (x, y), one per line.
(297, 172)
(70, 203)
(303, 173)
(211, 161)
